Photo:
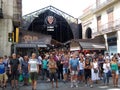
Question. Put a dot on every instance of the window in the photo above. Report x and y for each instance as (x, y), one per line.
(99, 23)
(110, 19)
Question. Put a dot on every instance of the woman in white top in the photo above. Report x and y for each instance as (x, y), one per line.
(106, 67)
(95, 70)
(81, 70)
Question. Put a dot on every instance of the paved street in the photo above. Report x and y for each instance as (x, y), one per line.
(62, 86)
(42, 85)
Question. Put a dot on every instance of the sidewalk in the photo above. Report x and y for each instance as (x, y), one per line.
(42, 85)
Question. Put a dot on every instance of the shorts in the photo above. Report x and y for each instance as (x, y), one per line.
(65, 70)
(115, 72)
(3, 77)
(14, 75)
(53, 76)
(87, 74)
(81, 72)
(33, 75)
(25, 75)
(74, 72)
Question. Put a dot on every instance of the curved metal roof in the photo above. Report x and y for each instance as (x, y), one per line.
(27, 19)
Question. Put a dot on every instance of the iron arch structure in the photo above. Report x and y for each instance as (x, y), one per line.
(65, 26)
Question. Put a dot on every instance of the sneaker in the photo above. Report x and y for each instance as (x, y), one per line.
(76, 85)
(91, 86)
(86, 85)
(12, 88)
(72, 86)
(48, 80)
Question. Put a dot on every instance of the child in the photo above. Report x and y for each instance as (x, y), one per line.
(3, 76)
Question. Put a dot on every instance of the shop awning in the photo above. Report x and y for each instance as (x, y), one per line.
(42, 45)
(30, 45)
(25, 45)
(92, 46)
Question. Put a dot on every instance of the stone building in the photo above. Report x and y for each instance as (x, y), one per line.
(102, 20)
(10, 18)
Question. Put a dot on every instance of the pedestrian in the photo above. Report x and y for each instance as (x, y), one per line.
(74, 67)
(100, 64)
(115, 71)
(33, 68)
(95, 70)
(65, 63)
(81, 70)
(52, 70)
(3, 76)
(60, 67)
(107, 72)
(87, 72)
(40, 63)
(6, 62)
(45, 71)
(25, 72)
(15, 68)
(20, 58)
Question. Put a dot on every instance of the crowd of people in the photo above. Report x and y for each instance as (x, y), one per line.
(74, 67)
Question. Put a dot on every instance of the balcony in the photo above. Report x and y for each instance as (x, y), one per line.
(107, 28)
(1, 12)
(102, 5)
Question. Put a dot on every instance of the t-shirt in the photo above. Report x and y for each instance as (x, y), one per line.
(52, 64)
(33, 65)
(2, 68)
(81, 65)
(44, 64)
(14, 64)
(6, 64)
(66, 62)
(114, 66)
(74, 64)
(20, 60)
(25, 66)
(105, 67)
(39, 60)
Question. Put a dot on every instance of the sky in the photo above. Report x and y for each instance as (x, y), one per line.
(72, 7)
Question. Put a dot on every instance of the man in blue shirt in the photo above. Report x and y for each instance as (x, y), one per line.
(74, 66)
(3, 76)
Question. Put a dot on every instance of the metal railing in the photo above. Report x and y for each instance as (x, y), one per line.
(107, 28)
(103, 4)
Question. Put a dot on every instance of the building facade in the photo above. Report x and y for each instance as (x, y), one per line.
(10, 18)
(102, 20)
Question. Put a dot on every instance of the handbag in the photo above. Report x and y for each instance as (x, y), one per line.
(95, 71)
(109, 74)
(29, 80)
(20, 78)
